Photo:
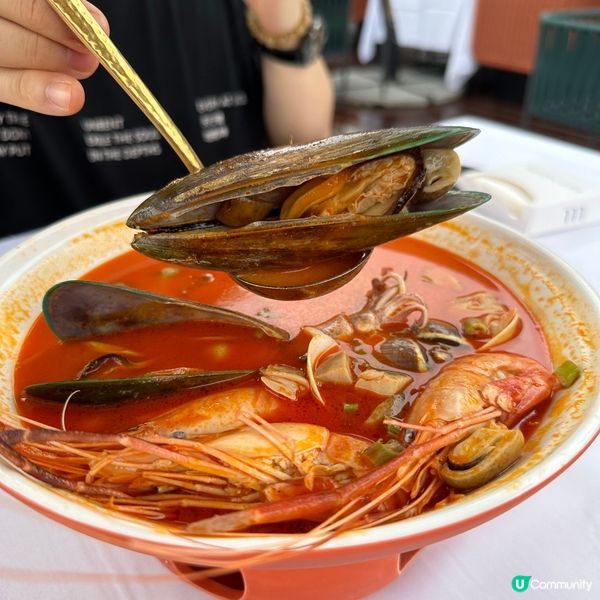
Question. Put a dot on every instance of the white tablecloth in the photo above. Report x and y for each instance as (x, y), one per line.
(444, 26)
(553, 536)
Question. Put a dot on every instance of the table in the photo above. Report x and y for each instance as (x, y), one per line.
(553, 536)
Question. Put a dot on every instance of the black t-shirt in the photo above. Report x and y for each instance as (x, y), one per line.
(198, 59)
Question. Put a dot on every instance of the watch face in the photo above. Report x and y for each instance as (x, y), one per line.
(309, 47)
(313, 42)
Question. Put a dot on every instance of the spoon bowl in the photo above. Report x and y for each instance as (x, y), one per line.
(309, 282)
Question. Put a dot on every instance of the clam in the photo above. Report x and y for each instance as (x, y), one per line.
(266, 217)
(436, 331)
(405, 353)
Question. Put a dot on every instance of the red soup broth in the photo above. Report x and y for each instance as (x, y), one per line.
(438, 276)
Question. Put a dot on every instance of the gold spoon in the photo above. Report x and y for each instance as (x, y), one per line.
(79, 20)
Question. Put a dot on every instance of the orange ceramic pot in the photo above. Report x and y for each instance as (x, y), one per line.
(355, 563)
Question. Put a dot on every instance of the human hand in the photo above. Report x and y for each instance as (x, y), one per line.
(41, 61)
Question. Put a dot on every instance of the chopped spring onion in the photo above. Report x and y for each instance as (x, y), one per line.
(350, 406)
(394, 429)
(567, 373)
(474, 328)
(380, 453)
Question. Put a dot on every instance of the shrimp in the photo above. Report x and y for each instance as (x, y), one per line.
(223, 454)
(259, 462)
(471, 391)
(511, 383)
(214, 413)
(218, 412)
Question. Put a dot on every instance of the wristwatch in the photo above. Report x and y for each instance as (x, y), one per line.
(309, 47)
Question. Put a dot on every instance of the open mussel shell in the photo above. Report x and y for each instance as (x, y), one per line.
(194, 198)
(297, 242)
(128, 389)
(85, 309)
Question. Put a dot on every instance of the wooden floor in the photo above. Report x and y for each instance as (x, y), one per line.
(484, 104)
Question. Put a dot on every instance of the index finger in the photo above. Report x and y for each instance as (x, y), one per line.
(38, 16)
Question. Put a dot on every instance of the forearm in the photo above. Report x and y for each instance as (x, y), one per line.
(298, 101)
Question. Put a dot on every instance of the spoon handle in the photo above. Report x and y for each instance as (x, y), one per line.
(82, 24)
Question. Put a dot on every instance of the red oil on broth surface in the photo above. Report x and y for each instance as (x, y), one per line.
(439, 277)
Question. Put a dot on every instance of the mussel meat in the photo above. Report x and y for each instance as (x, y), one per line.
(289, 207)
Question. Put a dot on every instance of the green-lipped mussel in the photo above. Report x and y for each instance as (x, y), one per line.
(286, 208)
(84, 309)
(88, 309)
(127, 389)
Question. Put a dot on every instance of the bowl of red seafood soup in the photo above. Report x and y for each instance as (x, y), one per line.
(544, 291)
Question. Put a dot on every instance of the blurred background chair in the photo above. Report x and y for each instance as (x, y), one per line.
(407, 53)
(565, 83)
